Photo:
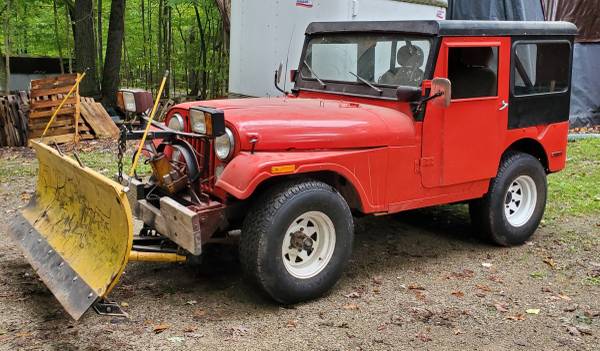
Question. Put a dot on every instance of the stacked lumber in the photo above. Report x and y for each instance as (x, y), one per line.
(45, 97)
(13, 119)
(97, 118)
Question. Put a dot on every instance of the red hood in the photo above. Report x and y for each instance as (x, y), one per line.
(303, 124)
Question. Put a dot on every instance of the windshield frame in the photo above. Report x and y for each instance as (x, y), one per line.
(358, 88)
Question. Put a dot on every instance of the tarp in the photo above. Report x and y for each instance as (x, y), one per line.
(585, 96)
(584, 13)
(495, 10)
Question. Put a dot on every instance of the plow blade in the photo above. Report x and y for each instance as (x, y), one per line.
(76, 232)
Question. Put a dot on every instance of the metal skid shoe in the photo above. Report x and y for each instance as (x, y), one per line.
(109, 308)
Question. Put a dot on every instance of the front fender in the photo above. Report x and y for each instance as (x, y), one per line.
(365, 169)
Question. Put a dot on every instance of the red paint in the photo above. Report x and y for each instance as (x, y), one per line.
(394, 162)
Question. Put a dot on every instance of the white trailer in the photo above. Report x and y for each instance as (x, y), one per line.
(265, 33)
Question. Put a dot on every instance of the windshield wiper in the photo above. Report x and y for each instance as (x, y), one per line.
(367, 82)
(314, 74)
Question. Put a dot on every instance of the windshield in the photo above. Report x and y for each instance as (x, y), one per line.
(371, 59)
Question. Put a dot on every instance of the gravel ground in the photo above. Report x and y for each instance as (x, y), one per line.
(419, 280)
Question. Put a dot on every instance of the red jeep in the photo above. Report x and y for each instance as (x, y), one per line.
(384, 117)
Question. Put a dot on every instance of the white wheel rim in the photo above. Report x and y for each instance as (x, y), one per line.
(520, 201)
(308, 244)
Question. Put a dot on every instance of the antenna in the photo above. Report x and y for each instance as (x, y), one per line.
(287, 59)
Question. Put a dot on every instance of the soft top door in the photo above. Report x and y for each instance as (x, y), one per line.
(461, 143)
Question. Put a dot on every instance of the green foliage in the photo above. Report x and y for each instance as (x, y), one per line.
(31, 33)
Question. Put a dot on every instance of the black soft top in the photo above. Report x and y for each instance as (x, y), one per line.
(448, 28)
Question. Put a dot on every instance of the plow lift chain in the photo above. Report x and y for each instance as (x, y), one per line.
(122, 148)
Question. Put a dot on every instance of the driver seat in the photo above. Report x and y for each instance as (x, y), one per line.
(410, 58)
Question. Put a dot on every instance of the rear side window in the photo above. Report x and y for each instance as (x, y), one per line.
(541, 68)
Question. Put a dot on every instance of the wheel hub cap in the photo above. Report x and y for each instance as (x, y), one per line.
(520, 201)
(308, 244)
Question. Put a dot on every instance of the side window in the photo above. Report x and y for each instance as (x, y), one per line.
(541, 68)
(473, 72)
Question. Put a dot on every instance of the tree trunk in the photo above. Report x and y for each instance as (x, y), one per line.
(85, 47)
(7, 47)
(69, 29)
(116, 31)
(100, 39)
(201, 89)
(58, 45)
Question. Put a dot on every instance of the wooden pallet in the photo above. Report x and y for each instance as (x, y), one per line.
(96, 116)
(46, 96)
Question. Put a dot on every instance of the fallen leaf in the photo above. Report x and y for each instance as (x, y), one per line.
(352, 295)
(124, 304)
(573, 331)
(533, 311)
(189, 329)
(160, 328)
(458, 294)
(550, 262)
(419, 295)
(381, 327)
(564, 297)
(199, 313)
(378, 280)
(483, 288)
(293, 323)
(517, 317)
(501, 307)
(350, 306)
(423, 337)
(191, 302)
(376, 291)
(415, 287)
(496, 279)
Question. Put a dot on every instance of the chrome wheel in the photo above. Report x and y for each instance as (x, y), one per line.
(308, 244)
(520, 201)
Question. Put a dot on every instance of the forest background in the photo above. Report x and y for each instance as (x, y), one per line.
(125, 43)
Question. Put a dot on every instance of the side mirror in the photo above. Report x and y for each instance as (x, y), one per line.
(408, 94)
(443, 88)
(293, 75)
(278, 73)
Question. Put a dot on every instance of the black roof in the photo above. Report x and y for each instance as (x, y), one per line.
(448, 28)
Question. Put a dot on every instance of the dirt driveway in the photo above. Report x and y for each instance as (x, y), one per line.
(420, 280)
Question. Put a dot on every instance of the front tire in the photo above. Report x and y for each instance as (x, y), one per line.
(296, 240)
(512, 209)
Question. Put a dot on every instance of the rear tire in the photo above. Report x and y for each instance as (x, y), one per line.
(296, 240)
(512, 209)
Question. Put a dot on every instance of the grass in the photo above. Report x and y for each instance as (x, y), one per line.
(576, 190)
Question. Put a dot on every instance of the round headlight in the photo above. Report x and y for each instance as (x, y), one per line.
(224, 145)
(176, 123)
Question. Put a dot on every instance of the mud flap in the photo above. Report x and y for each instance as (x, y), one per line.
(76, 232)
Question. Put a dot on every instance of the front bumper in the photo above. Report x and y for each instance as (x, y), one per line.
(188, 226)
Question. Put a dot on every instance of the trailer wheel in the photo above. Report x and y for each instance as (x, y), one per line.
(296, 240)
(512, 209)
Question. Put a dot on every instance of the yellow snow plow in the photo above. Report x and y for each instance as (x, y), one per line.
(76, 232)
